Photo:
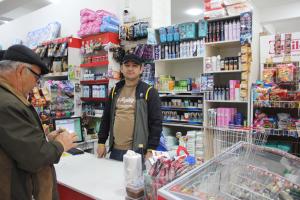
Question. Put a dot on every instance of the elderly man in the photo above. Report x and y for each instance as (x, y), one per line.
(26, 154)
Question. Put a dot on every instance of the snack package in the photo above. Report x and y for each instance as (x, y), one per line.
(284, 120)
(278, 94)
(286, 73)
(269, 75)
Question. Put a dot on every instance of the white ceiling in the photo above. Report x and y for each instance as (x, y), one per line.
(261, 4)
(179, 7)
(12, 9)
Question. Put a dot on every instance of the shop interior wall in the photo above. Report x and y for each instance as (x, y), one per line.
(67, 13)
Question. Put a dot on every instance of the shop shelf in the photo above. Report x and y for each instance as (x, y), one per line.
(222, 44)
(95, 64)
(276, 104)
(192, 109)
(225, 71)
(180, 59)
(182, 121)
(93, 99)
(225, 101)
(56, 75)
(281, 132)
(179, 96)
(95, 82)
(180, 92)
(104, 38)
(94, 116)
(223, 18)
(182, 125)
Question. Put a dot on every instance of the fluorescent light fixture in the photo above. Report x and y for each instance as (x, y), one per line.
(52, 1)
(194, 11)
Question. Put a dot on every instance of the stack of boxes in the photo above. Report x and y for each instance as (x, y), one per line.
(195, 143)
(246, 59)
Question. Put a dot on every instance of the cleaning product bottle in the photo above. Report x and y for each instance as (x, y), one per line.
(226, 31)
(230, 30)
(234, 37)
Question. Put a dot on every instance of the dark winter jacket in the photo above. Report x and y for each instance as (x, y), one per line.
(148, 117)
(26, 157)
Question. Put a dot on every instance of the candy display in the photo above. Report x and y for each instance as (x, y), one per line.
(286, 73)
(54, 100)
(269, 75)
(264, 174)
(40, 100)
(166, 169)
(282, 121)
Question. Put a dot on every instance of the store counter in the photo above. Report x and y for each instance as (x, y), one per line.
(85, 177)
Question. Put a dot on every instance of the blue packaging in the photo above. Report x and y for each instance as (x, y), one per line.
(187, 31)
(170, 33)
(162, 35)
(176, 34)
(202, 28)
(238, 119)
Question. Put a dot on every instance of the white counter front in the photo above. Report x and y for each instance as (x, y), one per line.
(91, 176)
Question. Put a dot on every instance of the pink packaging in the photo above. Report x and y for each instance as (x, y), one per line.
(218, 117)
(232, 84)
(227, 116)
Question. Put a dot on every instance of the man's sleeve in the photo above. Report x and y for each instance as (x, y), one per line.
(105, 122)
(155, 119)
(25, 142)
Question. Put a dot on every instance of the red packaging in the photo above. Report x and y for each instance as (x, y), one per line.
(269, 75)
(286, 73)
(210, 5)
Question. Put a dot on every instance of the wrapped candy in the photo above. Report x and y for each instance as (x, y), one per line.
(286, 73)
(269, 75)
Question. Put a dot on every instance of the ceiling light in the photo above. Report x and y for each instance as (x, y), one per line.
(4, 21)
(52, 1)
(194, 11)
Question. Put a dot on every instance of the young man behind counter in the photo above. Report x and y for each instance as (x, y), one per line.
(132, 115)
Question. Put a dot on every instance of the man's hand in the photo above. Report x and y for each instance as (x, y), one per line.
(67, 140)
(101, 150)
(52, 135)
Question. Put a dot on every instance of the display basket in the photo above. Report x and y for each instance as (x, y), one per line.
(220, 139)
(244, 171)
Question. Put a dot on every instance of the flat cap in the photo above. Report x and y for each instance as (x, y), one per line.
(21, 53)
(133, 58)
(1, 54)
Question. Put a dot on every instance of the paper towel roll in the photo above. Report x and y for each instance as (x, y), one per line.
(133, 169)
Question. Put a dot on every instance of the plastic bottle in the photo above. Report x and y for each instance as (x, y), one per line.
(238, 30)
(230, 30)
(198, 47)
(180, 49)
(166, 51)
(234, 37)
(237, 92)
(221, 31)
(226, 31)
